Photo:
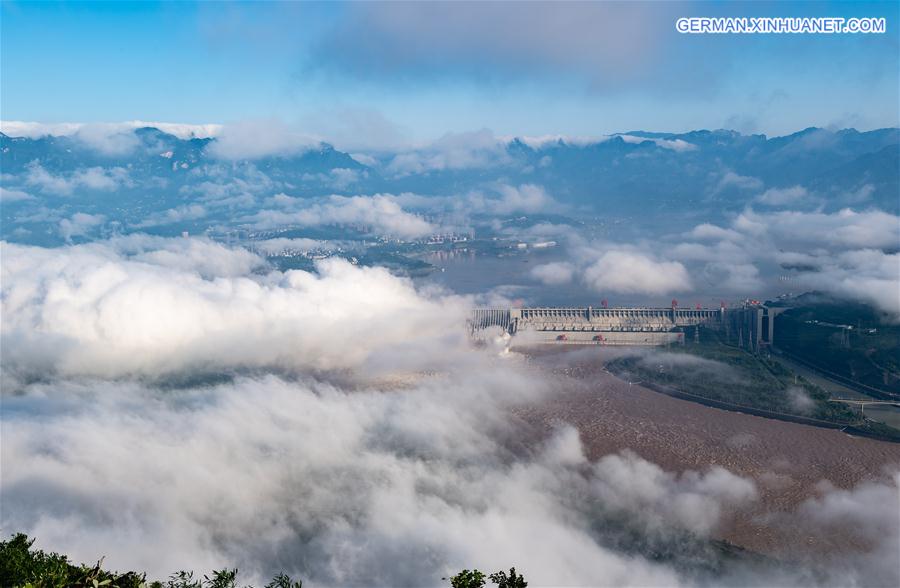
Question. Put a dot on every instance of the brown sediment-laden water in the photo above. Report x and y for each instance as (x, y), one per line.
(790, 463)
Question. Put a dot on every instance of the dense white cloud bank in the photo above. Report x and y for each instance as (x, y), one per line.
(341, 488)
(173, 403)
(846, 228)
(114, 308)
(848, 253)
(339, 485)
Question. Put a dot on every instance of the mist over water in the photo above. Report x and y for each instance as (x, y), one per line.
(368, 444)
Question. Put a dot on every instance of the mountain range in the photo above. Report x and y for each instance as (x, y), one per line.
(132, 175)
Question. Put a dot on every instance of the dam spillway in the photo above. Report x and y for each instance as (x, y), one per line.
(752, 324)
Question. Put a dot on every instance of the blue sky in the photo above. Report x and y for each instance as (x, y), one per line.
(414, 71)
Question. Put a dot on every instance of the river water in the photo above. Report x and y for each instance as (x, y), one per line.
(789, 462)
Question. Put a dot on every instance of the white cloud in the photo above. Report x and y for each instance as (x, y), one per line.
(357, 129)
(92, 178)
(98, 178)
(525, 198)
(710, 231)
(846, 253)
(602, 42)
(742, 278)
(382, 487)
(541, 141)
(663, 500)
(200, 256)
(863, 194)
(453, 151)
(846, 228)
(12, 195)
(350, 467)
(107, 139)
(555, 273)
(867, 275)
(92, 310)
(732, 180)
(725, 251)
(40, 178)
(677, 145)
(231, 185)
(185, 212)
(800, 400)
(110, 139)
(34, 130)
(633, 272)
(783, 196)
(255, 139)
(868, 514)
(79, 224)
(339, 178)
(380, 213)
(364, 159)
(343, 177)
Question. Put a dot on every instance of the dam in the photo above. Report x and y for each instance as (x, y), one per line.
(750, 325)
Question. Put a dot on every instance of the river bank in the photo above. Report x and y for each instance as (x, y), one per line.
(789, 462)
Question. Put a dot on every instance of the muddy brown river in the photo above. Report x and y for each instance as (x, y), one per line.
(789, 462)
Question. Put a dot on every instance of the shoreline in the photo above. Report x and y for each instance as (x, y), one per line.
(788, 461)
(848, 428)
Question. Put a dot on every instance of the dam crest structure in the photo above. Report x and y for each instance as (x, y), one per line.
(752, 325)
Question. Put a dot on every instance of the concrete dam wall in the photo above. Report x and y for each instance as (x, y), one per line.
(626, 326)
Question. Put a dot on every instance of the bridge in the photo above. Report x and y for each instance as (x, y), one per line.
(862, 404)
(628, 326)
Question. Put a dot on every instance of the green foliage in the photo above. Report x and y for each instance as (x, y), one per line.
(737, 377)
(866, 353)
(283, 581)
(24, 567)
(467, 579)
(20, 566)
(475, 579)
(513, 580)
(221, 579)
(183, 579)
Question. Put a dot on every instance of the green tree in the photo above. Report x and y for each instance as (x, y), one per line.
(21, 566)
(512, 580)
(284, 581)
(467, 579)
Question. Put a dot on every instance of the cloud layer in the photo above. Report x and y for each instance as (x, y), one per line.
(381, 214)
(848, 253)
(126, 308)
(173, 403)
(341, 488)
